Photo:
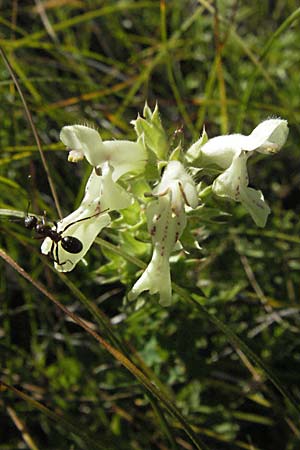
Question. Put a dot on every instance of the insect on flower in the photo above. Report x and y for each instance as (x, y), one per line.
(70, 244)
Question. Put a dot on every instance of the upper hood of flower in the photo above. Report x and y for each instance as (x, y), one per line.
(123, 156)
(268, 137)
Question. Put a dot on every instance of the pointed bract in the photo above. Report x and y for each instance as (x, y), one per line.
(194, 152)
(153, 131)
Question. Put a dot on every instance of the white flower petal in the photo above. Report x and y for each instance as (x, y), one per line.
(182, 185)
(165, 226)
(156, 279)
(86, 140)
(229, 183)
(221, 150)
(123, 156)
(101, 194)
(253, 202)
(113, 195)
(233, 183)
(268, 137)
(91, 210)
(164, 223)
(85, 231)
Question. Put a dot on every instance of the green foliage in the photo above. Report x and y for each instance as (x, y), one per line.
(97, 62)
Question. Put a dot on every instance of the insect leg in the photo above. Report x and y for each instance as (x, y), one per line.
(57, 257)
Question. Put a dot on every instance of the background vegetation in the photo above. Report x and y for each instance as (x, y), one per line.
(228, 65)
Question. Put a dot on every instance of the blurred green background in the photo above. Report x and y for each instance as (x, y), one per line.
(227, 65)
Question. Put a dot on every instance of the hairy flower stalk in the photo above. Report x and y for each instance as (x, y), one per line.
(231, 154)
(166, 220)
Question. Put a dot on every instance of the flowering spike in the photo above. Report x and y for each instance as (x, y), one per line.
(176, 191)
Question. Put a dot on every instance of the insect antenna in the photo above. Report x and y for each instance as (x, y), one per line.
(81, 220)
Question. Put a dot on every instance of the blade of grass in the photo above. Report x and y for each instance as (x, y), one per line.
(220, 45)
(72, 427)
(101, 319)
(257, 61)
(89, 95)
(22, 428)
(208, 91)
(237, 342)
(171, 77)
(231, 335)
(145, 74)
(104, 323)
(137, 373)
(251, 82)
(85, 17)
(34, 130)
(20, 73)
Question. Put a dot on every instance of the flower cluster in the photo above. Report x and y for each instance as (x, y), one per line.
(118, 164)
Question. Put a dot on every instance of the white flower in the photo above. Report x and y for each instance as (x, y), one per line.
(166, 220)
(231, 153)
(123, 156)
(111, 160)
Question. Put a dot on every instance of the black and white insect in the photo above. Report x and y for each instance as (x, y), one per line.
(69, 243)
